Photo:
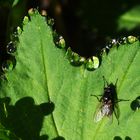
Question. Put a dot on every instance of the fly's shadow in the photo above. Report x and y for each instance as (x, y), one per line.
(25, 118)
(135, 104)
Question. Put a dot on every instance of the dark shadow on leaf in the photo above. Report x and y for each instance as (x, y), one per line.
(135, 104)
(59, 138)
(47, 108)
(25, 118)
(117, 138)
(43, 137)
(127, 138)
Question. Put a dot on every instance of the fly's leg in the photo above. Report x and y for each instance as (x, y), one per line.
(97, 97)
(120, 100)
(117, 117)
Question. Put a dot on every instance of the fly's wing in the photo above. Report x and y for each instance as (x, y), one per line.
(117, 111)
(99, 113)
(110, 119)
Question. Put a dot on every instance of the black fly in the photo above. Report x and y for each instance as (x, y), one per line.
(108, 103)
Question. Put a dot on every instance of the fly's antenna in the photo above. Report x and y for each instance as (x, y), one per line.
(105, 81)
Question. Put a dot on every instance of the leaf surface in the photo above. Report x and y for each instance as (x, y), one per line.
(49, 98)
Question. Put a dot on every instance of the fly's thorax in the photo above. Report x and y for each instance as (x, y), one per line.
(107, 97)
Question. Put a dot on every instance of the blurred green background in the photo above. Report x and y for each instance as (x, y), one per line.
(86, 25)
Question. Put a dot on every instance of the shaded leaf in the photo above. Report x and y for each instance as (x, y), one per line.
(130, 19)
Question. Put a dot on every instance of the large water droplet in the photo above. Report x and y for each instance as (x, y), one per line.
(131, 39)
(92, 63)
(96, 62)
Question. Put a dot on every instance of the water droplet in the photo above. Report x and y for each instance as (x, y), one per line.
(131, 39)
(82, 60)
(25, 20)
(15, 36)
(96, 62)
(10, 47)
(50, 21)
(69, 52)
(19, 30)
(103, 51)
(59, 40)
(111, 43)
(92, 63)
(76, 59)
(114, 42)
(7, 66)
(31, 11)
(122, 40)
(44, 13)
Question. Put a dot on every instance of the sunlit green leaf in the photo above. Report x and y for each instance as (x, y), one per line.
(49, 97)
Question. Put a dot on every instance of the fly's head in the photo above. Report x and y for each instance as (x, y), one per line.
(109, 93)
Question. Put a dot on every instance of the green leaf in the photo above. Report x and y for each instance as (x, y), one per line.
(15, 2)
(49, 98)
(130, 19)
